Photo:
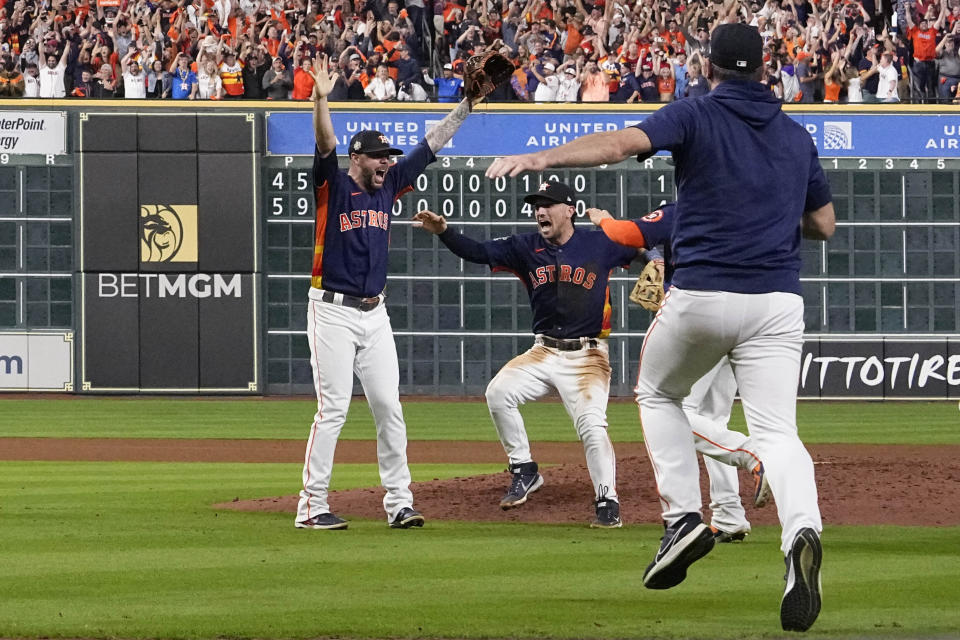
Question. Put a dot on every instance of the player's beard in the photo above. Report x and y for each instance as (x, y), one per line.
(370, 180)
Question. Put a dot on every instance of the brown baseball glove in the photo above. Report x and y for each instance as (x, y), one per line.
(483, 73)
(648, 291)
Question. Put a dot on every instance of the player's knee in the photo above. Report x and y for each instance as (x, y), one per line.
(591, 425)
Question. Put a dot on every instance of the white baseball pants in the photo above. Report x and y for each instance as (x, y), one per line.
(762, 334)
(708, 409)
(344, 341)
(582, 378)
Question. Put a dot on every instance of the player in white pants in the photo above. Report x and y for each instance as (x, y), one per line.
(582, 380)
(348, 328)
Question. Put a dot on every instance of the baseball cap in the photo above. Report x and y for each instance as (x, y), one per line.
(448, 66)
(354, 56)
(549, 65)
(736, 47)
(571, 71)
(372, 142)
(550, 193)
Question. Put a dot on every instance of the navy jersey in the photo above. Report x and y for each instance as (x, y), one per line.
(745, 175)
(567, 284)
(352, 233)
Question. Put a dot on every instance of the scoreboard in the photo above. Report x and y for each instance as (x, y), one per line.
(891, 269)
(882, 312)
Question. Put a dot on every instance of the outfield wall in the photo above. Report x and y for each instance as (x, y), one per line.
(170, 250)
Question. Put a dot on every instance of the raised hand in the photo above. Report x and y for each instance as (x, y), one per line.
(323, 80)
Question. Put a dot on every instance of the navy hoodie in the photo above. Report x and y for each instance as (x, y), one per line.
(745, 175)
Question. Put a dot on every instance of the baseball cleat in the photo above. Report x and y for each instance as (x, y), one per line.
(406, 518)
(323, 521)
(683, 543)
(801, 598)
(526, 480)
(727, 536)
(762, 492)
(608, 515)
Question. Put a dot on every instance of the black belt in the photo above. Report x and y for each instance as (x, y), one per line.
(363, 304)
(568, 344)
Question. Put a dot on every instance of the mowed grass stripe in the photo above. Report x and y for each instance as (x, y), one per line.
(134, 550)
(257, 418)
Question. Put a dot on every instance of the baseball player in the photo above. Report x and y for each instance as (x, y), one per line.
(736, 292)
(347, 323)
(565, 271)
(710, 402)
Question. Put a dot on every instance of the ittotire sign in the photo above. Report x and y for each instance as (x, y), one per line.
(168, 253)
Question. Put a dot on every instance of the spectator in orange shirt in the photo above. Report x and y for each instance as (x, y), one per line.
(302, 79)
(593, 84)
(924, 69)
(666, 82)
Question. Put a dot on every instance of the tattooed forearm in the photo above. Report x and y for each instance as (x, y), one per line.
(441, 132)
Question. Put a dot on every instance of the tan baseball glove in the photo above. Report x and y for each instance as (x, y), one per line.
(648, 291)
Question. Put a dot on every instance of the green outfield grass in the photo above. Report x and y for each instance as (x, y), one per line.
(855, 422)
(123, 550)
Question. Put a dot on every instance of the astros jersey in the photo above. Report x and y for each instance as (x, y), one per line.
(352, 233)
(745, 174)
(567, 285)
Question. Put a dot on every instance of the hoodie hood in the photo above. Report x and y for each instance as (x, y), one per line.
(751, 101)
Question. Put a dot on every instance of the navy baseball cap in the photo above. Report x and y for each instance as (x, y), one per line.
(372, 142)
(551, 192)
(737, 47)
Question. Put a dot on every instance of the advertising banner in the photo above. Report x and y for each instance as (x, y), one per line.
(33, 132)
(880, 368)
(36, 361)
(484, 134)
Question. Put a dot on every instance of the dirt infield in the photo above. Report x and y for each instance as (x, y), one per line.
(858, 484)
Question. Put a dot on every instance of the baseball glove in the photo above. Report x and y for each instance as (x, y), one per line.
(648, 291)
(483, 73)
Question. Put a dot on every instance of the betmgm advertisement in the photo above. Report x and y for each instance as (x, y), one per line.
(168, 256)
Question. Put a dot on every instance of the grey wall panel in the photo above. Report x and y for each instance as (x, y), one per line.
(227, 212)
(110, 132)
(167, 133)
(168, 177)
(169, 341)
(225, 134)
(227, 339)
(110, 212)
(110, 332)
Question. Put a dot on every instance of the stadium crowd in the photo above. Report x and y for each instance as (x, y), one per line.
(564, 50)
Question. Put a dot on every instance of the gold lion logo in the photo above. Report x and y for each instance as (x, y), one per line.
(168, 233)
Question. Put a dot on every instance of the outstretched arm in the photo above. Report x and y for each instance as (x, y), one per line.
(461, 246)
(441, 133)
(608, 147)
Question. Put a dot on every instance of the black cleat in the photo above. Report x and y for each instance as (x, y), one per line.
(406, 518)
(526, 480)
(801, 599)
(683, 543)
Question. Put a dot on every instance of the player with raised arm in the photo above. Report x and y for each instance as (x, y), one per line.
(736, 292)
(347, 323)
